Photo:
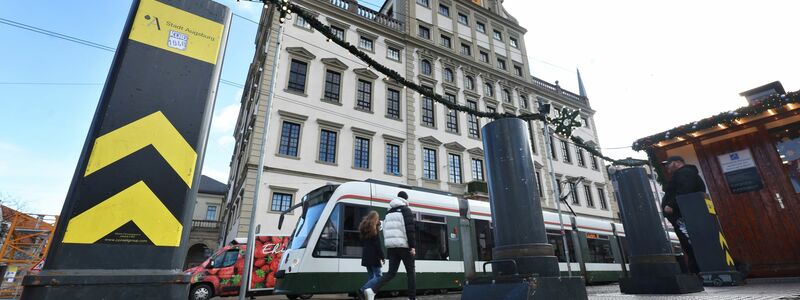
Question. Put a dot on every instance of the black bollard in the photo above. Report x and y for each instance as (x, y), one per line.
(709, 244)
(524, 265)
(128, 212)
(654, 269)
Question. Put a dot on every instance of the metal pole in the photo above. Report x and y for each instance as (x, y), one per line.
(549, 143)
(245, 282)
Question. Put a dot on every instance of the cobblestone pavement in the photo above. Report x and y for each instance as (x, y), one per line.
(756, 289)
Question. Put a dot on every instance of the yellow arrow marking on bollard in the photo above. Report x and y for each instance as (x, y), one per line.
(153, 129)
(724, 245)
(136, 203)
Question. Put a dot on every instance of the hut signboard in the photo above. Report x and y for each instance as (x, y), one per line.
(740, 171)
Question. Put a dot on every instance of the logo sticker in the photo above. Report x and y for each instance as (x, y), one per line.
(177, 40)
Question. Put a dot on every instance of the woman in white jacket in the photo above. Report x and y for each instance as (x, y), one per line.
(399, 233)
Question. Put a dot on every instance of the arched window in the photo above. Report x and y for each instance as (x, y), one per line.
(448, 75)
(506, 95)
(469, 83)
(523, 102)
(488, 90)
(425, 67)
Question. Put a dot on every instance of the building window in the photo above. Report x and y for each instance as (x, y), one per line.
(518, 71)
(580, 158)
(451, 121)
(424, 32)
(211, 213)
(448, 75)
(488, 90)
(466, 50)
(585, 122)
(469, 83)
(297, 76)
(333, 85)
(501, 63)
(393, 53)
(498, 35)
(523, 102)
(463, 19)
(573, 189)
(429, 164)
(445, 42)
(364, 95)
(484, 57)
(393, 159)
(338, 32)
(423, 3)
(553, 148)
(602, 196)
(565, 152)
(327, 146)
(477, 170)
(506, 95)
(280, 202)
(366, 44)
(480, 27)
(444, 10)
(454, 167)
(587, 190)
(594, 163)
(290, 139)
(301, 22)
(539, 183)
(428, 113)
(361, 153)
(425, 67)
(513, 42)
(393, 103)
(491, 109)
(473, 125)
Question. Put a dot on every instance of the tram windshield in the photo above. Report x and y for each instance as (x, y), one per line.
(313, 205)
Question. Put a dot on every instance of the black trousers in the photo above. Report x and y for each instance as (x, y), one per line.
(396, 255)
(686, 245)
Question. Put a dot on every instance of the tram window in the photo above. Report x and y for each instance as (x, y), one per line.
(328, 242)
(554, 238)
(599, 249)
(431, 239)
(485, 240)
(351, 243)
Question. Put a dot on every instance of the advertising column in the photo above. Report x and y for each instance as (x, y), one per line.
(127, 214)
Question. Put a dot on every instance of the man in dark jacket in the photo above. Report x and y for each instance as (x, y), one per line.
(399, 234)
(685, 179)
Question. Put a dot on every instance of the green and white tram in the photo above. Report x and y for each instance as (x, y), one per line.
(324, 252)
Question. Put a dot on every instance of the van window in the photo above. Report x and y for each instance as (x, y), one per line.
(432, 238)
(226, 259)
(599, 248)
(485, 240)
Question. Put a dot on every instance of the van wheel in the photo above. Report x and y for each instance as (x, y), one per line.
(201, 292)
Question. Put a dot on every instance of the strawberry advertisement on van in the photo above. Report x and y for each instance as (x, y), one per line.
(221, 274)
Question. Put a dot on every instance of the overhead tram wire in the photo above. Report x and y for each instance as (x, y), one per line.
(56, 35)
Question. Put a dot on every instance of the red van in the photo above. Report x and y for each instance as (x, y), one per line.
(221, 274)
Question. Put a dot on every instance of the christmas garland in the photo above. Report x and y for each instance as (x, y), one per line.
(728, 118)
(285, 8)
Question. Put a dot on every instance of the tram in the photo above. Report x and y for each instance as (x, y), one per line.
(324, 251)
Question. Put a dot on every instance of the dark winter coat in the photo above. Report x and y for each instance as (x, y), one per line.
(685, 180)
(371, 252)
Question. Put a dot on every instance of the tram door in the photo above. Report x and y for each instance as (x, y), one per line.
(759, 207)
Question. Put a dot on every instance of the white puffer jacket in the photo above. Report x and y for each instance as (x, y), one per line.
(398, 227)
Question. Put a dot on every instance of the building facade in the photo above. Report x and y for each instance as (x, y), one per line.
(204, 235)
(334, 119)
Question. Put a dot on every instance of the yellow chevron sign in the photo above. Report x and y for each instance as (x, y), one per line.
(136, 203)
(154, 130)
(724, 245)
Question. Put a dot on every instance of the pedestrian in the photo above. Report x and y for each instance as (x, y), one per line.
(371, 253)
(685, 179)
(399, 234)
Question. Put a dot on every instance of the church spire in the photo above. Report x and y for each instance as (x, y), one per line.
(581, 89)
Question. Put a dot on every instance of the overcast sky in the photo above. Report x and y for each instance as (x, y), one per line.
(649, 66)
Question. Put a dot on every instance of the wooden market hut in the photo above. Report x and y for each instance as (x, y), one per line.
(750, 161)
